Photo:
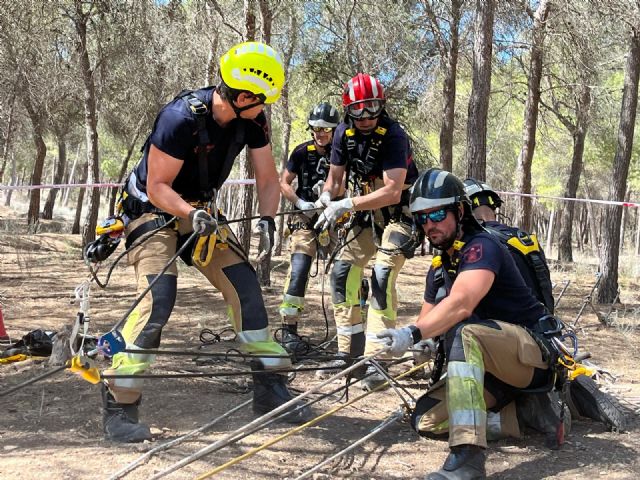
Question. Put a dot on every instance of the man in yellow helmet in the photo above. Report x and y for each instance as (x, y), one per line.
(188, 156)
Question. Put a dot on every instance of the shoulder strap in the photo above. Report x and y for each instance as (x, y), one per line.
(200, 111)
(527, 246)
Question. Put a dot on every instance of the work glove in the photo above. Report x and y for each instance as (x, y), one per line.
(266, 229)
(424, 350)
(333, 212)
(324, 200)
(307, 208)
(399, 339)
(202, 222)
(318, 187)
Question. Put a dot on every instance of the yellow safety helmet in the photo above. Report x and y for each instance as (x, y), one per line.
(254, 67)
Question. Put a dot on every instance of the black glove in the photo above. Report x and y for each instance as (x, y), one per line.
(202, 222)
(266, 228)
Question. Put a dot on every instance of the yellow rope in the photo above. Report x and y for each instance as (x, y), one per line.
(299, 428)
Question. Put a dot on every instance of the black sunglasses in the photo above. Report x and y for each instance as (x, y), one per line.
(436, 216)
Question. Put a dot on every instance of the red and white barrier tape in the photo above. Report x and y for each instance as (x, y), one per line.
(232, 181)
(251, 181)
(569, 199)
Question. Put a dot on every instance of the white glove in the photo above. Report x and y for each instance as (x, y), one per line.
(202, 222)
(318, 187)
(307, 208)
(265, 229)
(399, 339)
(333, 212)
(325, 199)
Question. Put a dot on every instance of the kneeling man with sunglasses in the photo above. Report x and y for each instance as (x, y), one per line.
(488, 322)
(372, 151)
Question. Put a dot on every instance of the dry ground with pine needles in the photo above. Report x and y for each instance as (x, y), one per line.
(53, 428)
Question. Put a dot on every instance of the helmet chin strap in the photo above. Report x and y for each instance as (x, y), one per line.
(239, 110)
(236, 109)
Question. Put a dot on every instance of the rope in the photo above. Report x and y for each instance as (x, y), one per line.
(390, 420)
(172, 443)
(33, 380)
(185, 437)
(214, 374)
(154, 281)
(232, 181)
(261, 420)
(303, 426)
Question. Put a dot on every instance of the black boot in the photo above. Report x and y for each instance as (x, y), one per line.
(292, 342)
(120, 420)
(374, 378)
(270, 391)
(465, 462)
(541, 411)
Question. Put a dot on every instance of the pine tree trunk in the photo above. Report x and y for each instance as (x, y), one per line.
(7, 138)
(449, 66)
(613, 214)
(286, 122)
(481, 88)
(14, 179)
(75, 229)
(565, 251)
(61, 164)
(91, 123)
(523, 170)
(38, 166)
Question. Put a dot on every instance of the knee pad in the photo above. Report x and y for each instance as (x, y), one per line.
(345, 283)
(244, 281)
(163, 298)
(300, 268)
(379, 285)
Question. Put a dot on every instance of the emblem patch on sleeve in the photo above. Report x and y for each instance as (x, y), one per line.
(473, 253)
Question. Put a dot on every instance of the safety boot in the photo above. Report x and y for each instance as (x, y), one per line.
(374, 378)
(120, 420)
(542, 412)
(293, 342)
(270, 391)
(342, 361)
(465, 462)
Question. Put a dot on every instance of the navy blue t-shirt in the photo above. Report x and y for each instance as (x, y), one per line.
(509, 299)
(308, 168)
(395, 151)
(175, 132)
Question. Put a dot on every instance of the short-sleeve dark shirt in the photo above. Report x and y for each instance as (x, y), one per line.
(395, 150)
(175, 133)
(309, 168)
(509, 299)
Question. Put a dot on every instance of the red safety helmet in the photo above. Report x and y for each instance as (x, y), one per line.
(363, 95)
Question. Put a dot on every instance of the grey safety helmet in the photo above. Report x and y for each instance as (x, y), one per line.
(324, 115)
(481, 193)
(437, 188)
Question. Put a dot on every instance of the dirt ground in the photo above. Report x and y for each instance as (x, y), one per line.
(53, 428)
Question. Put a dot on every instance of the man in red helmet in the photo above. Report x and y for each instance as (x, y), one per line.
(374, 153)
